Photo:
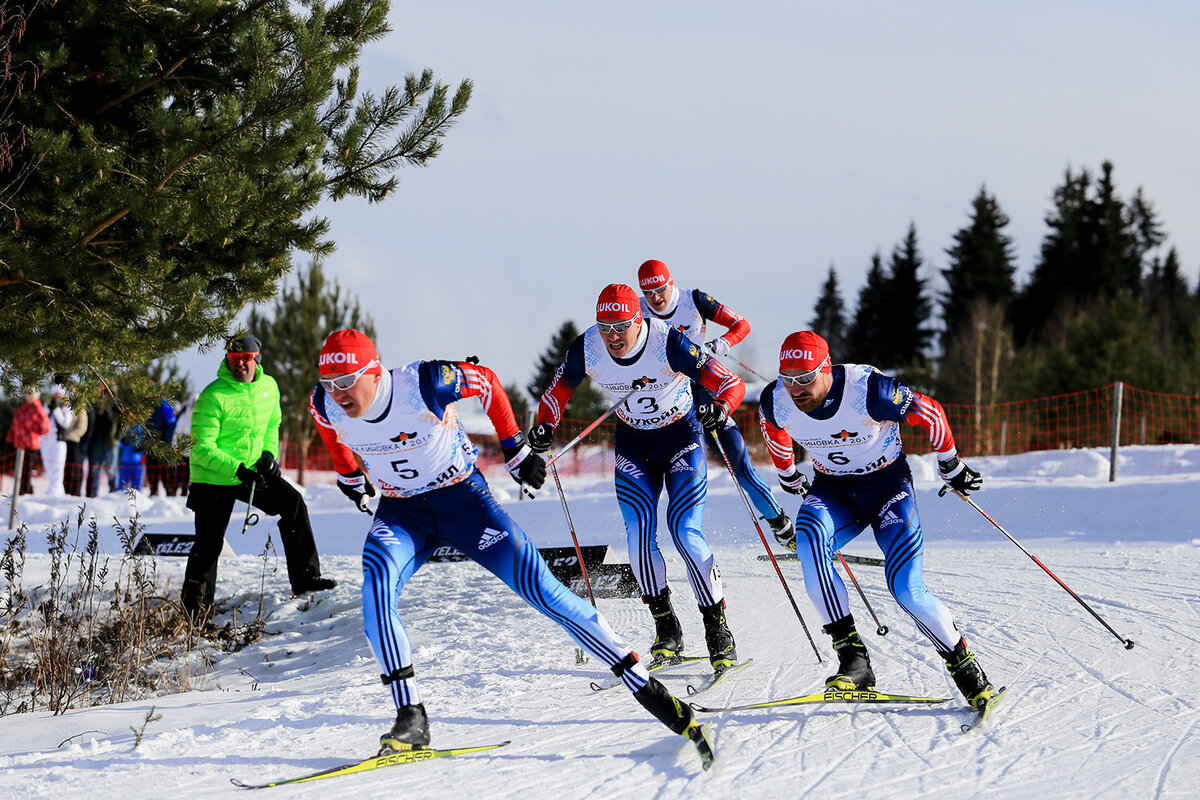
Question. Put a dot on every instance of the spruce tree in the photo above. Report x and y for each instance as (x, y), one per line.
(908, 309)
(829, 316)
(180, 149)
(866, 341)
(981, 266)
(976, 339)
(292, 332)
(1097, 248)
(1167, 297)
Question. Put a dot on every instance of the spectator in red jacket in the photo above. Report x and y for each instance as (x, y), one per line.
(30, 423)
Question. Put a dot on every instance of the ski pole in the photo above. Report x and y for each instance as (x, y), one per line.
(1127, 642)
(880, 629)
(579, 656)
(757, 527)
(638, 383)
(248, 521)
(743, 365)
(571, 526)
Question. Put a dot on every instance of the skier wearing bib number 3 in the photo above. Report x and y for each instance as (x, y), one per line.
(657, 442)
(403, 425)
(848, 417)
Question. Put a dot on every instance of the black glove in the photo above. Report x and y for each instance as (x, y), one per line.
(795, 482)
(358, 488)
(786, 534)
(540, 437)
(711, 415)
(959, 476)
(249, 477)
(267, 466)
(525, 465)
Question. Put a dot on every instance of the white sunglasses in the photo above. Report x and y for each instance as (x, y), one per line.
(347, 381)
(804, 378)
(614, 327)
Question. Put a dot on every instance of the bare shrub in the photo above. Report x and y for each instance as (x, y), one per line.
(99, 630)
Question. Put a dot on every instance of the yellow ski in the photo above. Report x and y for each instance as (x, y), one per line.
(863, 696)
(376, 762)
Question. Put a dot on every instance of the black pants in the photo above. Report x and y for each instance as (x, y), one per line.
(213, 505)
(32, 460)
(73, 472)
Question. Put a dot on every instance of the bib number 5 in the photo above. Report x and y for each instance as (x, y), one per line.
(407, 473)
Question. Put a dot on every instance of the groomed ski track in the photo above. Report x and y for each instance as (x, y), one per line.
(1084, 718)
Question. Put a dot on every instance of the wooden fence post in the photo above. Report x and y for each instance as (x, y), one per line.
(18, 465)
(1118, 391)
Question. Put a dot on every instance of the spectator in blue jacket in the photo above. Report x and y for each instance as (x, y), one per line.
(160, 427)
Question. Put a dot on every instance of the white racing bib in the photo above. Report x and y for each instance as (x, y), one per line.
(667, 395)
(686, 318)
(408, 450)
(851, 442)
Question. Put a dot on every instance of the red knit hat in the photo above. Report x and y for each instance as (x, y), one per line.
(653, 274)
(618, 303)
(804, 351)
(347, 350)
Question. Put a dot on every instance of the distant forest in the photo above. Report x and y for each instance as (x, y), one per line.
(1106, 301)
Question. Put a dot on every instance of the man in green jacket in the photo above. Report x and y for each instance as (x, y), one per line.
(235, 436)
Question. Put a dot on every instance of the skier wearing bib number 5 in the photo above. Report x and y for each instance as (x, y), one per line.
(848, 416)
(402, 424)
(659, 429)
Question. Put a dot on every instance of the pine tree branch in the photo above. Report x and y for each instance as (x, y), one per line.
(172, 172)
(111, 220)
(157, 79)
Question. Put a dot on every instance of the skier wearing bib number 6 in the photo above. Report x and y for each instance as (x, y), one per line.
(848, 417)
(659, 429)
(402, 424)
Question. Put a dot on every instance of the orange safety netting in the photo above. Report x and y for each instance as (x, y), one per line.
(1063, 422)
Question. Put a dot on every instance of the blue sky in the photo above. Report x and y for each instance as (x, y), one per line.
(748, 146)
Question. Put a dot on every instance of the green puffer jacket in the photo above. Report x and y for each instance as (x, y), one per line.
(233, 423)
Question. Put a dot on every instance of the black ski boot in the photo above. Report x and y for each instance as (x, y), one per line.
(668, 634)
(197, 601)
(313, 584)
(968, 675)
(854, 665)
(666, 707)
(722, 651)
(784, 530)
(410, 731)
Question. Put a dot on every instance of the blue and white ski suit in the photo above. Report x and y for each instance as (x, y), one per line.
(862, 479)
(415, 449)
(657, 443)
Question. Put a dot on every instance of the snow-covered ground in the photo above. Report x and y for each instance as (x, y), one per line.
(1083, 718)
